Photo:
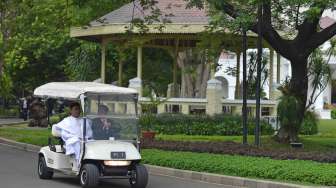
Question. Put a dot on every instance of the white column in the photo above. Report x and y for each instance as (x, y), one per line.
(139, 64)
(213, 95)
(271, 74)
(136, 82)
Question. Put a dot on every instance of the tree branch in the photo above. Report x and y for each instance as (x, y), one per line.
(321, 37)
(267, 15)
(309, 26)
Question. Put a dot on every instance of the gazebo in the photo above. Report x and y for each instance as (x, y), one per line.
(179, 28)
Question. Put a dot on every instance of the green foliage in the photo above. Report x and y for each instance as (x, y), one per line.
(54, 119)
(319, 75)
(39, 39)
(6, 86)
(309, 123)
(83, 63)
(288, 112)
(254, 167)
(252, 74)
(158, 72)
(200, 125)
(84, 11)
(38, 47)
(11, 112)
(333, 113)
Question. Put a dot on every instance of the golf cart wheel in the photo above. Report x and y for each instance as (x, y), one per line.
(43, 171)
(89, 176)
(139, 177)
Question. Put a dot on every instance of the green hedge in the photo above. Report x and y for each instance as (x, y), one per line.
(10, 112)
(199, 125)
(255, 167)
(333, 113)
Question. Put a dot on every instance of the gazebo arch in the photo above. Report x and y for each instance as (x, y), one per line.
(225, 86)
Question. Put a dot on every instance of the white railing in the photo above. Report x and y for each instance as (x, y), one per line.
(199, 105)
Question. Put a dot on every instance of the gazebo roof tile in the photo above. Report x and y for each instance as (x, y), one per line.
(175, 11)
(326, 22)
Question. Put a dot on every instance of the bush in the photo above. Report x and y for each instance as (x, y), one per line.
(200, 125)
(309, 124)
(54, 119)
(12, 112)
(333, 113)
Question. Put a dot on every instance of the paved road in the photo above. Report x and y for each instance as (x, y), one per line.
(18, 170)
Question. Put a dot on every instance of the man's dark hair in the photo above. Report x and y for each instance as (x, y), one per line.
(103, 108)
(73, 104)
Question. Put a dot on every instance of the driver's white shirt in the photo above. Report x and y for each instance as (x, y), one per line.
(71, 132)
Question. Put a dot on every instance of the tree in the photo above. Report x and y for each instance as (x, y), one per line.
(9, 9)
(318, 74)
(291, 27)
(35, 42)
(39, 43)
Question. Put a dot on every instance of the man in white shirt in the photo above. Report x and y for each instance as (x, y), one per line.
(71, 129)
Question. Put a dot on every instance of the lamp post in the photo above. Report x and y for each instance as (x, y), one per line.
(244, 88)
(259, 59)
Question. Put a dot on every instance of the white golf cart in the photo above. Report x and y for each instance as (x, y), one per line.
(114, 155)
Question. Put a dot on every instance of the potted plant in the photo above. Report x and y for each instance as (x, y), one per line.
(148, 118)
(147, 127)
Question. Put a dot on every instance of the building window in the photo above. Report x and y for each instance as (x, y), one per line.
(149, 108)
(173, 108)
(227, 109)
(199, 110)
(265, 111)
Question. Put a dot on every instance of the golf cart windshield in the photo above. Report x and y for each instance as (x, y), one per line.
(112, 116)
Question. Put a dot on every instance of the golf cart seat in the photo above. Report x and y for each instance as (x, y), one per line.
(56, 133)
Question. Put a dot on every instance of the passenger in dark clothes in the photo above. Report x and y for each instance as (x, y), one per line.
(102, 127)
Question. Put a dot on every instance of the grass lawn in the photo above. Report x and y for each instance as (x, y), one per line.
(327, 127)
(22, 133)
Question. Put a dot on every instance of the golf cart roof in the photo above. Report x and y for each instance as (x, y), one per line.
(73, 90)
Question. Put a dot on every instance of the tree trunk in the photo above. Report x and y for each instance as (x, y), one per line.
(195, 74)
(298, 87)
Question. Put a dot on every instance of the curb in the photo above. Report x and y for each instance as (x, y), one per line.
(19, 145)
(183, 174)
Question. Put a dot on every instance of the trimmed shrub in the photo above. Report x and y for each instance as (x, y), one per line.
(309, 124)
(333, 113)
(200, 125)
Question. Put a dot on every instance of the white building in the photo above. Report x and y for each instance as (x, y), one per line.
(280, 72)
